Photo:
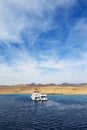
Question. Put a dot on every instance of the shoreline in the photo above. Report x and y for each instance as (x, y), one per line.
(43, 93)
(52, 90)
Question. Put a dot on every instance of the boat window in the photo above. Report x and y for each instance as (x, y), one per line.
(42, 96)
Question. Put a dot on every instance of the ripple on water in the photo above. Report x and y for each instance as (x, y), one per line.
(19, 112)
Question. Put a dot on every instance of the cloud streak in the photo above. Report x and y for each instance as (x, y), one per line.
(42, 41)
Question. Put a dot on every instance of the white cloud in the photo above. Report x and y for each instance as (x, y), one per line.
(29, 71)
(21, 15)
(15, 16)
(78, 35)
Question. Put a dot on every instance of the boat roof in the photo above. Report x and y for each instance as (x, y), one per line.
(41, 94)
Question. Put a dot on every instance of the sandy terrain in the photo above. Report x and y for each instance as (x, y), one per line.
(23, 89)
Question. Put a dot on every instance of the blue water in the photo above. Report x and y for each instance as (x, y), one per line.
(19, 112)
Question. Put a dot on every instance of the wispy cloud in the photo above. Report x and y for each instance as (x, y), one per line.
(33, 16)
(42, 41)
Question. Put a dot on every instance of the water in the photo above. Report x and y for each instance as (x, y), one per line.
(19, 112)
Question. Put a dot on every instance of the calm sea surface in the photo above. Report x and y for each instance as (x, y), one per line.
(19, 112)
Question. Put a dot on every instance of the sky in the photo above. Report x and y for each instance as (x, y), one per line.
(43, 41)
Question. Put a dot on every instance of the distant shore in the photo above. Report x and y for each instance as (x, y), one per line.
(24, 89)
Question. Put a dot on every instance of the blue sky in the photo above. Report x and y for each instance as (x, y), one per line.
(43, 41)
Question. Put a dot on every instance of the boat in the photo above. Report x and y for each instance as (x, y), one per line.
(39, 97)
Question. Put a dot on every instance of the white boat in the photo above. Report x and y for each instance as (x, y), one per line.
(39, 97)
